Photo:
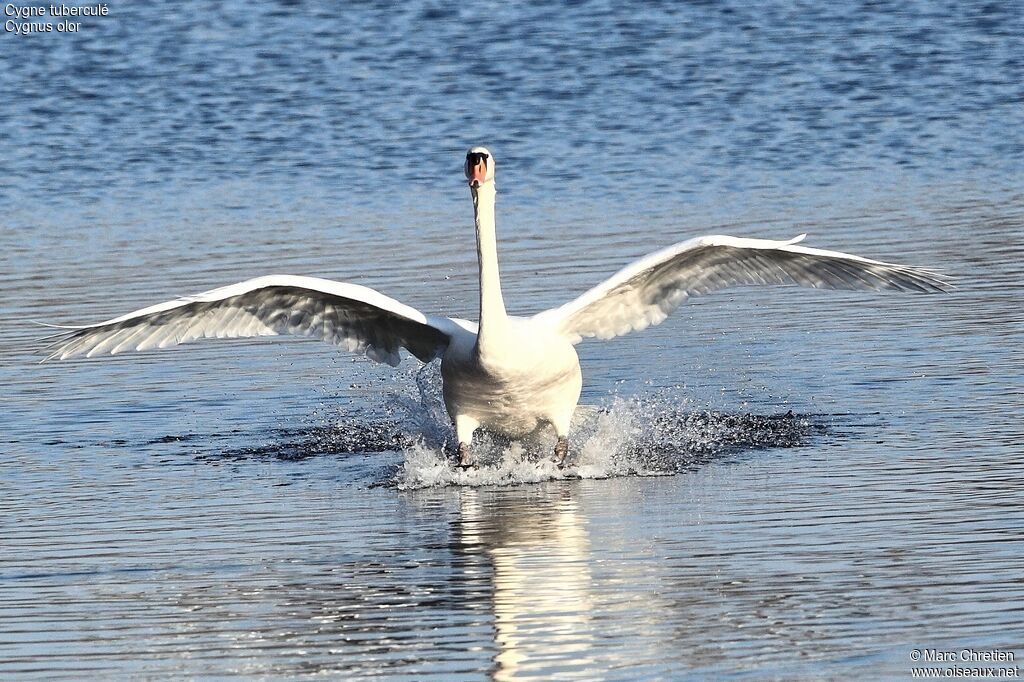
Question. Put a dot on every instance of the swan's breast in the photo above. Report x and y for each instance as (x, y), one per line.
(532, 377)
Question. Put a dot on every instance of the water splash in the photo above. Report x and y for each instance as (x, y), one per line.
(650, 435)
(640, 436)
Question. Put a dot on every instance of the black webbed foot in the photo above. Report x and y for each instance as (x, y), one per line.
(561, 451)
(465, 457)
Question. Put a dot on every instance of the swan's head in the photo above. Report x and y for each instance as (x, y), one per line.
(479, 166)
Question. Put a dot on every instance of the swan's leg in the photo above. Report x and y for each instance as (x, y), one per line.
(561, 451)
(465, 457)
(561, 425)
(464, 428)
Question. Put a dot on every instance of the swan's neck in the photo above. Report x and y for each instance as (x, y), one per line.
(493, 319)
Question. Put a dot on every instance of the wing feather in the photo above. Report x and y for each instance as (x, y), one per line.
(645, 292)
(347, 315)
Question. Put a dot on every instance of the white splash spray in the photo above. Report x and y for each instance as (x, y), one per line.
(639, 436)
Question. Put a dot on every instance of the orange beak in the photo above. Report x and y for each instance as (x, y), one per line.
(477, 173)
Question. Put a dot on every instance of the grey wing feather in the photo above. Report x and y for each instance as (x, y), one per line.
(647, 291)
(353, 317)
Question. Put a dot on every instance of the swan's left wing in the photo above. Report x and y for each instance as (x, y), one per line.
(354, 317)
(646, 291)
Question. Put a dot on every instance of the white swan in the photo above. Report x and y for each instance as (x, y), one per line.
(507, 374)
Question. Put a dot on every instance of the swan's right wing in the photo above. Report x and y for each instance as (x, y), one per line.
(646, 291)
(351, 316)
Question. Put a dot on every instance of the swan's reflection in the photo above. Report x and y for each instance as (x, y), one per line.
(539, 553)
(443, 582)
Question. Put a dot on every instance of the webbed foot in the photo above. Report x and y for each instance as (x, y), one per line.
(561, 451)
(465, 457)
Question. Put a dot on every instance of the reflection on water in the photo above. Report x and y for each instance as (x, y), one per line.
(539, 560)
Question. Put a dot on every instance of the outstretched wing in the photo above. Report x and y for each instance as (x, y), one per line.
(646, 291)
(351, 316)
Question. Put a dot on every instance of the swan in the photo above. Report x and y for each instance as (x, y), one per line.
(511, 375)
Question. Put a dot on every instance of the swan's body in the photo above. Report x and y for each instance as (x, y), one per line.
(507, 374)
(531, 378)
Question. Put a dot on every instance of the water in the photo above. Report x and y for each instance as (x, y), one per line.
(772, 484)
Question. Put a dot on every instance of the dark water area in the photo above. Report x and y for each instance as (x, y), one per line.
(773, 484)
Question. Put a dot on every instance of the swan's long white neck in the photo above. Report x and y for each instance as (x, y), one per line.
(493, 319)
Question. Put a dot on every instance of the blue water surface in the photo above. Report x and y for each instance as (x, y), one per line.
(840, 472)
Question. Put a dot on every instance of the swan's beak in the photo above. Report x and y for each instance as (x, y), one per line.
(477, 173)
